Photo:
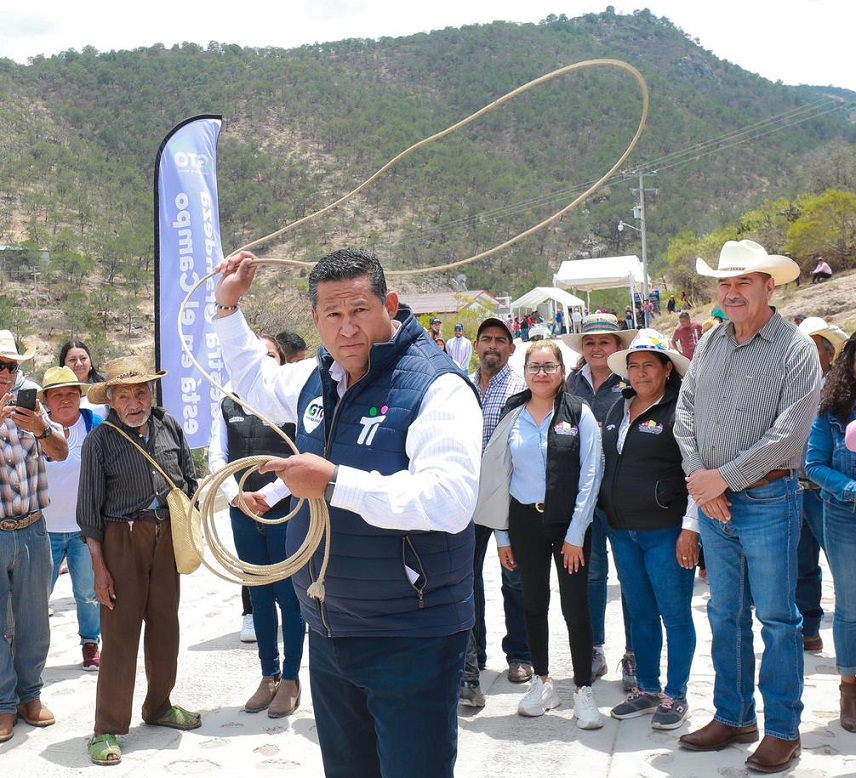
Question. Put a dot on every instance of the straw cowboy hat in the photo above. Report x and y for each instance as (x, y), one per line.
(56, 377)
(9, 349)
(814, 325)
(741, 257)
(121, 371)
(647, 340)
(598, 324)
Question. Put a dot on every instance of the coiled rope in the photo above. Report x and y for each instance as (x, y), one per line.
(238, 571)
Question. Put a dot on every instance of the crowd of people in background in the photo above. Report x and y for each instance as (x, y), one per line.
(654, 447)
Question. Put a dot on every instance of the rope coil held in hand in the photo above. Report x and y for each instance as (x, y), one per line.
(238, 571)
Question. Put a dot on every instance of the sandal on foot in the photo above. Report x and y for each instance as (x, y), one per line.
(178, 718)
(103, 749)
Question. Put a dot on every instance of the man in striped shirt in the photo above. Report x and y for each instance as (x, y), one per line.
(742, 421)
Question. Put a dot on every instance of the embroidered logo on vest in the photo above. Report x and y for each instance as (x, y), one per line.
(370, 425)
(313, 415)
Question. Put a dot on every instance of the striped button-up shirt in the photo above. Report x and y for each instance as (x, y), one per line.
(500, 387)
(746, 408)
(117, 481)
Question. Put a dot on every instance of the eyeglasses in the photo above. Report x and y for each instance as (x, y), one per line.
(549, 368)
(12, 367)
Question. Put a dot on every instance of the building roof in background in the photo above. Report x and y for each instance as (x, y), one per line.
(450, 302)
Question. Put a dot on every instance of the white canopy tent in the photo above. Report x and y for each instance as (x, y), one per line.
(546, 294)
(601, 273)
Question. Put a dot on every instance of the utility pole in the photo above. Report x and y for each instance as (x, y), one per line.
(639, 213)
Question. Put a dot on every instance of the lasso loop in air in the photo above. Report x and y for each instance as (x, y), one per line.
(248, 574)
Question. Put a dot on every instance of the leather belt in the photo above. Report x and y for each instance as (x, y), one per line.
(533, 506)
(19, 522)
(773, 475)
(155, 516)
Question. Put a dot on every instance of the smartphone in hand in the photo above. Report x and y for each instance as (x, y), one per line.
(26, 399)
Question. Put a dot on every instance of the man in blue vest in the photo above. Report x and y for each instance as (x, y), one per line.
(389, 432)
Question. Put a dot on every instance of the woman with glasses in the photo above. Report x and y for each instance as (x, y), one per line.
(541, 469)
(653, 525)
(831, 465)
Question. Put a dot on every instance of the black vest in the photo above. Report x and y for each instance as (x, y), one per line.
(248, 435)
(643, 487)
(563, 455)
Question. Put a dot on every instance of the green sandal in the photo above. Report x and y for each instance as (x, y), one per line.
(178, 718)
(103, 749)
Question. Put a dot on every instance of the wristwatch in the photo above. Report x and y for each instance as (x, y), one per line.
(331, 487)
(46, 434)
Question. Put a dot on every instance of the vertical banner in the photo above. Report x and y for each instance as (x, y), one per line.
(187, 247)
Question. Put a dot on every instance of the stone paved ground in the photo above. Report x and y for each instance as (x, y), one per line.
(217, 674)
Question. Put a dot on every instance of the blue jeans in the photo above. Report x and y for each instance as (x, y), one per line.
(839, 529)
(264, 544)
(514, 644)
(753, 558)
(387, 706)
(25, 577)
(809, 580)
(598, 574)
(71, 546)
(656, 587)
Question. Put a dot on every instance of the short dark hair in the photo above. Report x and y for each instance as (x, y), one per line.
(344, 265)
(291, 343)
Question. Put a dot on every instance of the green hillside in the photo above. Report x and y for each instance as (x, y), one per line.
(304, 126)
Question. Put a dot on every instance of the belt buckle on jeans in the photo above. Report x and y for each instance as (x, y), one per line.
(539, 506)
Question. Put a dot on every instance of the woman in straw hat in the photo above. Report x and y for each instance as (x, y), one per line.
(61, 394)
(600, 387)
(653, 525)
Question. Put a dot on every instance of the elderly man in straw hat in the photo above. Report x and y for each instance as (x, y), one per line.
(26, 438)
(742, 421)
(61, 393)
(123, 514)
(829, 340)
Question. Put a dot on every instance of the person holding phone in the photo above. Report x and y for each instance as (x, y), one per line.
(26, 438)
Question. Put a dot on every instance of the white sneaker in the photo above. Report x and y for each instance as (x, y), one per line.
(248, 630)
(540, 698)
(585, 709)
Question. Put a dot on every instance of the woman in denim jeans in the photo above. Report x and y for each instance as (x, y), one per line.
(653, 525)
(831, 465)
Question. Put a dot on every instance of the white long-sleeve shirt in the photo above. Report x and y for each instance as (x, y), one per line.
(438, 490)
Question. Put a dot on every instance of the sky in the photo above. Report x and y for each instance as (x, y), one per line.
(795, 41)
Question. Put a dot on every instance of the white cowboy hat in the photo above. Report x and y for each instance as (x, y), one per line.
(647, 340)
(599, 324)
(9, 349)
(741, 257)
(56, 377)
(814, 325)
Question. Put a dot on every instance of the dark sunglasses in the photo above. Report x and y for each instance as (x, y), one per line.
(11, 367)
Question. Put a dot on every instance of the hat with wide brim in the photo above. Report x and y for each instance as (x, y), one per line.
(9, 349)
(599, 324)
(814, 325)
(121, 371)
(742, 257)
(58, 377)
(647, 340)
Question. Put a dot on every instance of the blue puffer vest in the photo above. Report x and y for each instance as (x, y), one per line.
(380, 583)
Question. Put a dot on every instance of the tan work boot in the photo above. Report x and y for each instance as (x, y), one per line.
(848, 706)
(286, 700)
(264, 695)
